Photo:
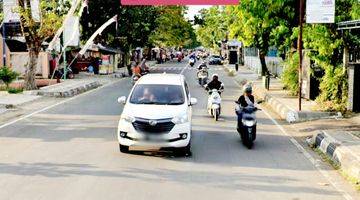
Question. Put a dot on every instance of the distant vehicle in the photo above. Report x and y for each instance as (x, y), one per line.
(157, 115)
(215, 60)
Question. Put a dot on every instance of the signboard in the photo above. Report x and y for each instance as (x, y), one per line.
(179, 2)
(320, 11)
(10, 10)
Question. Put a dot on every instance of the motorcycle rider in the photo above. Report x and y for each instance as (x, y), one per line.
(202, 65)
(245, 100)
(136, 70)
(215, 84)
(143, 66)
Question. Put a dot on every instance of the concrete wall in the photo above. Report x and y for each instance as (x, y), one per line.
(273, 64)
(19, 61)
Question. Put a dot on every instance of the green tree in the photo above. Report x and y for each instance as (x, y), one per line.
(135, 23)
(328, 47)
(1, 11)
(173, 29)
(256, 22)
(36, 32)
(212, 27)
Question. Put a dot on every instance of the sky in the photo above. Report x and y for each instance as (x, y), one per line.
(193, 10)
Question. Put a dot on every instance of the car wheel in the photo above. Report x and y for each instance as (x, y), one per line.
(123, 148)
(184, 151)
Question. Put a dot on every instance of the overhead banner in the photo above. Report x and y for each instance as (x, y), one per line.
(320, 11)
(179, 2)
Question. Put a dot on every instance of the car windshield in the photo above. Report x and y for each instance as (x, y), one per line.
(157, 94)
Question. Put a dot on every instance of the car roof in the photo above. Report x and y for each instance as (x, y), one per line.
(162, 79)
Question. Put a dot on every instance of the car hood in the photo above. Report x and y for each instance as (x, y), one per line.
(154, 111)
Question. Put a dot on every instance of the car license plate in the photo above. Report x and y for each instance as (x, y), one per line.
(153, 138)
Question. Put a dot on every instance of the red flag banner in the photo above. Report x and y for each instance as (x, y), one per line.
(179, 2)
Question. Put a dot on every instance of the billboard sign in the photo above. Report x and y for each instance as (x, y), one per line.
(320, 11)
(179, 2)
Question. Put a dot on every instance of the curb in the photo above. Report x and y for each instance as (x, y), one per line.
(285, 112)
(70, 92)
(338, 153)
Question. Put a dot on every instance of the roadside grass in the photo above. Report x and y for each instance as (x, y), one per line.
(15, 90)
(352, 180)
(325, 158)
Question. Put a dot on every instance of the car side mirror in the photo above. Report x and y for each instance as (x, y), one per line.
(122, 100)
(193, 101)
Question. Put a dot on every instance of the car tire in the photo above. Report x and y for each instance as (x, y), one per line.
(123, 148)
(183, 151)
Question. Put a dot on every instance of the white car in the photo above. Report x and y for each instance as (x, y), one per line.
(157, 115)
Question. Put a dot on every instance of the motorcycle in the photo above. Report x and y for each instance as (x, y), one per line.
(134, 79)
(246, 125)
(214, 104)
(192, 62)
(203, 76)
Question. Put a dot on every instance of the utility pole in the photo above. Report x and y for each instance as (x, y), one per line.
(300, 48)
(4, 43)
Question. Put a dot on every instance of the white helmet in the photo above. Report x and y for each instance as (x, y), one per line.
(247, 88)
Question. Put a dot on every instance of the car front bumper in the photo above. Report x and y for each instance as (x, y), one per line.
(143, 141)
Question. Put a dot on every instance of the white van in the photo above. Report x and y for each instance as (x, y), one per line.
(157, 115)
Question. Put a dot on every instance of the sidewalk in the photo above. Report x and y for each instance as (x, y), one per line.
(337, 137)
(279, 100)
(67, 88)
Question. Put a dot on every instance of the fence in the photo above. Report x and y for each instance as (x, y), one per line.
(273, 62)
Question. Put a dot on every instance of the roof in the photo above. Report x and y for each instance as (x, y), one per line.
(162, 79)
(16, 45)
(355, 24)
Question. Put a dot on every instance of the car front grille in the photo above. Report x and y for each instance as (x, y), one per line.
(161, 126)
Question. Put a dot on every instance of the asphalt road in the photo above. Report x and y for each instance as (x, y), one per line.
(70, 152)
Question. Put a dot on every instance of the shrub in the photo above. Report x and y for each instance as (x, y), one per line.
(290, 76)
(14, 90)
(334, 89)
(7, 76)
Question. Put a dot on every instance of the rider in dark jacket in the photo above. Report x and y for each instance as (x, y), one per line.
(215, 84)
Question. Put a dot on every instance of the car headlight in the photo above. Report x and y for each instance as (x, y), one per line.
(180, 119)
(128, 118)
(248, 123)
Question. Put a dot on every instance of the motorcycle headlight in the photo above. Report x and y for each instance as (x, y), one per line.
(128, 118)
(248, 123)
(180, 119)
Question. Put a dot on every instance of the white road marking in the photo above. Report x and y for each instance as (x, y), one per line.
(307, 155)
(54, 105)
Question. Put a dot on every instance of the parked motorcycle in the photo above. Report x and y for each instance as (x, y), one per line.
(59, 73)
(246, 125)
(203, 76)
(214, 104)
